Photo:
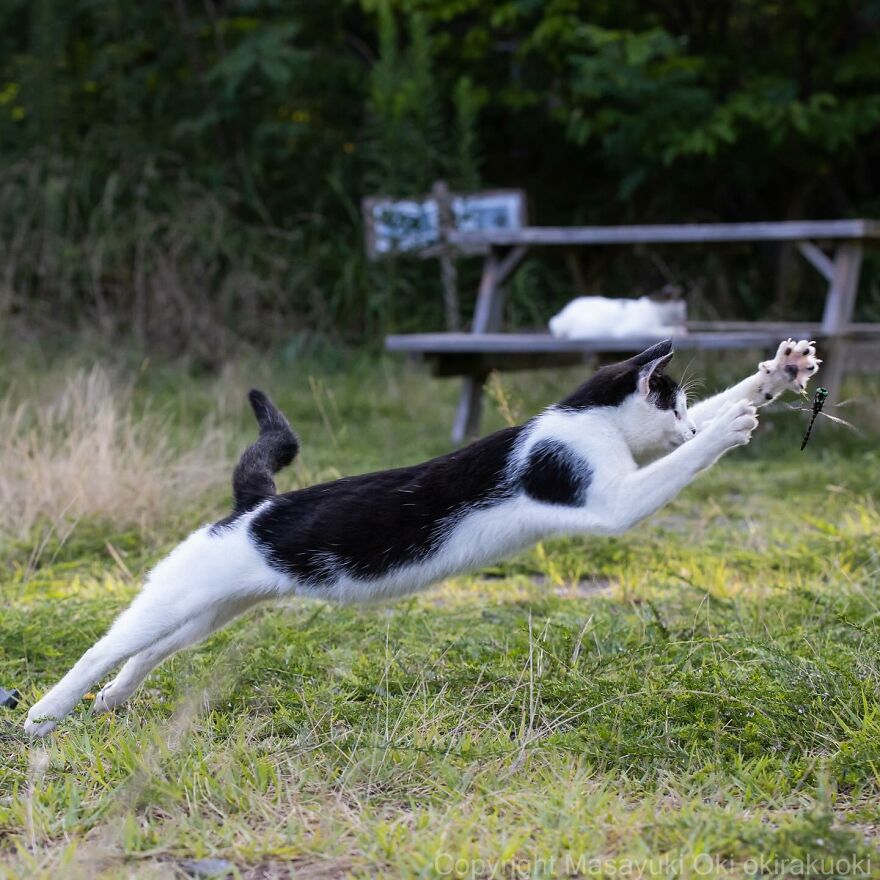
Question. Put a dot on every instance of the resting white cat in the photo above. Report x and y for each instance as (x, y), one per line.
(590, 317)
(570, 470)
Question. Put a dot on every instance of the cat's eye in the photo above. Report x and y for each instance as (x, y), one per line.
(677, 414)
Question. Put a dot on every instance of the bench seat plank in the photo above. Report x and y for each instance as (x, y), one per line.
(511, 343)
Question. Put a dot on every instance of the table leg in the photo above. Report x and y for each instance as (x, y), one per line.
(839, 308)
(470, 407)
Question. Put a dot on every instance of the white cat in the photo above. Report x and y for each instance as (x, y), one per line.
(591, 317)
(570, 470)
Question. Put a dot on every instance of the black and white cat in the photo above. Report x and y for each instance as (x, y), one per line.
(570, 470)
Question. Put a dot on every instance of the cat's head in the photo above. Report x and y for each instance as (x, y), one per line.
(647, 406)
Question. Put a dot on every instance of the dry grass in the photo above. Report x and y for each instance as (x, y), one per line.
(86, 454)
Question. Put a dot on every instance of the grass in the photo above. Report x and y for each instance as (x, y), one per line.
(698, 698)
(82, 455)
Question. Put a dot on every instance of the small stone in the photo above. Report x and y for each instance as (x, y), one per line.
(206, 867)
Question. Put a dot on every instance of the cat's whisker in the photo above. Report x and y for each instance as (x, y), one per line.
(690, 387)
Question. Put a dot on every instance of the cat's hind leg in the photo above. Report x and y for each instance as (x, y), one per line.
(147, 621)
(209, 572)
(138, 667)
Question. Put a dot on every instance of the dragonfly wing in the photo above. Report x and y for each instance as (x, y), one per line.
(839, 421)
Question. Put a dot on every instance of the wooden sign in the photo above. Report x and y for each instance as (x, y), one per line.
(394, 226)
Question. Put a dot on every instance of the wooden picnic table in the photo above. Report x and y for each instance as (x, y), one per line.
(833, 247)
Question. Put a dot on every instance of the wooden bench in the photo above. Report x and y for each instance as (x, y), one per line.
(833, 247)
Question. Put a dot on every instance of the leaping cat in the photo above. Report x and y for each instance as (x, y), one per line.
(573, 469)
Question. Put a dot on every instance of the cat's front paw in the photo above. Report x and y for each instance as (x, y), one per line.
(795, 363)
(732, 427)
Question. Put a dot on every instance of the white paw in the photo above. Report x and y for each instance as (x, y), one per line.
(105, 700)
(794, 365)
(734, 425)
(44, 715)
(40, 721)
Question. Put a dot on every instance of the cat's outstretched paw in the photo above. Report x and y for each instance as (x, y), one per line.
(739, 421)
(795, 363)
(732, 427)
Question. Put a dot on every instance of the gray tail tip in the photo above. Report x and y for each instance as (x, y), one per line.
(268, 415)
(257, 397)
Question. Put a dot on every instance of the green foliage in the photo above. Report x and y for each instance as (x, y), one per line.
(118, 117)
(652, 102)
(409, 143)
(405, 132)
(464, 152)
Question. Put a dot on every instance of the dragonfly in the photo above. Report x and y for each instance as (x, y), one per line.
(816, 410)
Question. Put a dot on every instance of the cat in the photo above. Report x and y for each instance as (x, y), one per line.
(570, 470)
(588, 317)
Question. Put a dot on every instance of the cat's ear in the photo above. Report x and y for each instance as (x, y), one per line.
(652, 353)
(652, 368)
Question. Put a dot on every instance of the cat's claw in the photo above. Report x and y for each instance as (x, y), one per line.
(793, 366)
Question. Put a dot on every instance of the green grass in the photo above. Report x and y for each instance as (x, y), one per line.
(700, 697)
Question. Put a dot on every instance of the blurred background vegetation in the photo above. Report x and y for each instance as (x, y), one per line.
(186, 176)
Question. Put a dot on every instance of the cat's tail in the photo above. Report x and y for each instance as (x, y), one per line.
(275, 448)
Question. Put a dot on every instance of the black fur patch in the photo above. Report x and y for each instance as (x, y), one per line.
(664, 391)
(555, 475)
(374, 523)
(611, 385)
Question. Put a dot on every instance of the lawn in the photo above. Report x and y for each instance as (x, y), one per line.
(700, 697)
